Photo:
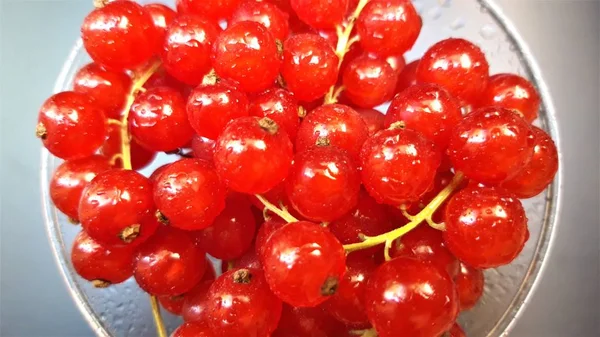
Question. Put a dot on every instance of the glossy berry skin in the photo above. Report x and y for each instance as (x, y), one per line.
(108, 89)
(456, 331)
(373, 119)
(340, 123)
(158, 120)
(310, 66)
(426, 244)
(457, 65)
(485, 228)
(369, 81)
(512, 92)
(303, 263)
(169, 263)
(265, 13)
(120, 35)
(347, 305)
(211, 107)
(388, 27)
(196, 329)
(162, 16)
(539, 172)
(240, 303)
(231, 233)
(407, 77)
(102, 265)
(428, 109)
(71, 125)
(172, 304)
(246, 53)
(195, 304)
(189, 194)
(116, 202)
(140, 156)
(187, 46)
(280, 106)
(264, 234)
(69, 180)
(398, 166)
(396, 300)
(308, 322)
(203, 148)
(320, 14)
(491, 145)
(212, 9)
(253, 155)
(469, 284)
(323, 183)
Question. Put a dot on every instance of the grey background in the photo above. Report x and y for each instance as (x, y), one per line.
(36, 36)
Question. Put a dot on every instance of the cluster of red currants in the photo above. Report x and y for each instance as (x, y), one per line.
(331, 219)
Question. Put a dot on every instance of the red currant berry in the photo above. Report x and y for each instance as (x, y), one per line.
(194, 303)
(195, 329)
(428, 109)
(69, 180)
(323, 183)
(253, 155)
(162, 16)
(320, 14)
(484, 228)
(249, 260)
(161, 78)
(101, 265)
(411, 296)
(369, 81)
(189, 194)
(388, 27)
(140, 157)
(158, 120)
(265, 13)
(398, 166)
(512, 92)
(240, 303)
(373, 119)
(491, 145)
(342, 125)
(280, 106)
(469, 284)
(187, 47)
(308, 322)
(108, 89)
(539, 172)
(116, 208)
(211, 107)
(396, 62)
(71, 125)
(455, 331)
(264, 234)
(169, 263)
(172, 304)
(203, 148)
(246, 53)
(213, 9)
(120, 35)
(304, 263)
(407, 77)
(310, 66)
(457, 65)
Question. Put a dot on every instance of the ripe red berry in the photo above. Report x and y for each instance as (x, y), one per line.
(323, 183)
(246, 53)
(140, 157)
(320, 14)
(187, 47)
(280, 106)
(172, 304)
(108, 89)
(158, 120)
(250, 259)
(212, 9)
(428, 109)
(308, 322)
(539, 172)
(369, 81)
(253, 155)
(203, 148)
(411, 296)
(469, 284)
(310, 66)
(265, 13)
(101, 265)
(457, 65)
(71, 125)
(484, 228)
(196, 329)
(116, 208)
(407, 77)
(342, 125)
(162, 16)
(240, 303)
(264, 234)
(194, 303)
(189, 194)
(69, 180)
(491, 145)
(388, 27)
(303, 263)
(373, 119)
(211, 107)
(120, 35)
(169, 263)
(512, 92)
(398, 166)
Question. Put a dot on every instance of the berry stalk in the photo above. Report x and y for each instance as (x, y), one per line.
(160, 326)
(282, 213)
(425, 214)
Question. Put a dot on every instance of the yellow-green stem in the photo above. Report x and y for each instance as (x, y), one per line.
(282, 213)
(161, 331)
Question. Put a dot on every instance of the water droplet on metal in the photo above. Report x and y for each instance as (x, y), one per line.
(488, 31)
(434, 13)
(457, 24)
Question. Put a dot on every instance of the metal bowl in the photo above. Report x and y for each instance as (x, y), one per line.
(124, 310)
